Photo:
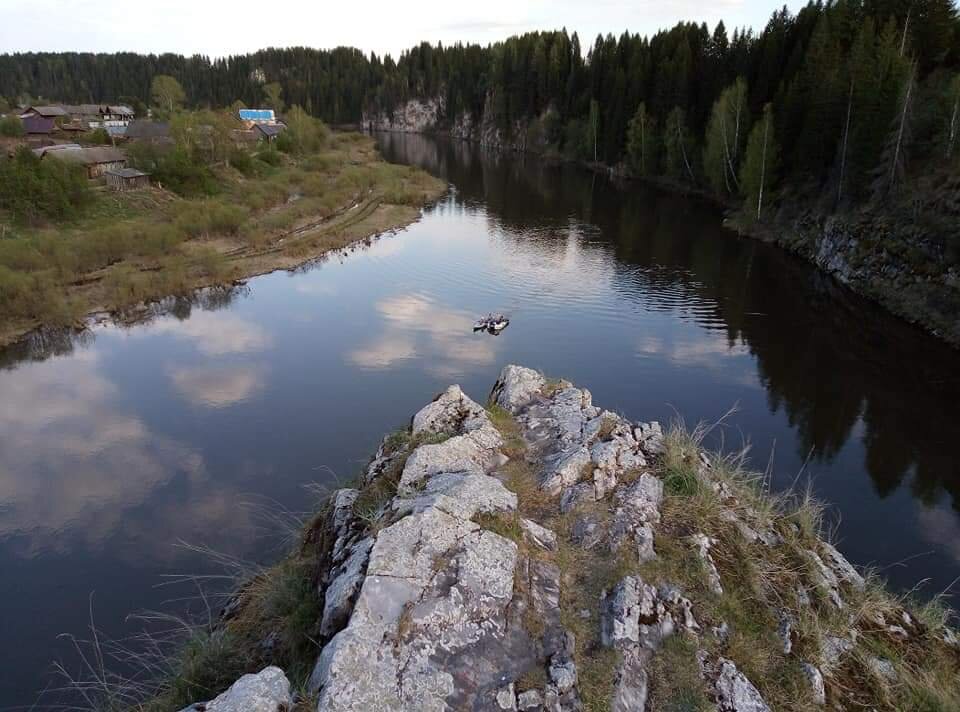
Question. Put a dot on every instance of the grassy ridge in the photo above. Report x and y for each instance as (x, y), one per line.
(131, 247)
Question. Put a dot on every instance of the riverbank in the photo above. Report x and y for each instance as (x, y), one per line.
(134, 248)
(543, 553)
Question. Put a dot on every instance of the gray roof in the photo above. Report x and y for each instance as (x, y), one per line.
(147, 129)
(127, 172)
(121, 109)
(43, 150)
(83, 109)
(91, 156)
(47, 110)
(269, 129)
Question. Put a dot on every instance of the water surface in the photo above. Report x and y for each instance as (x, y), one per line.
(117, 446)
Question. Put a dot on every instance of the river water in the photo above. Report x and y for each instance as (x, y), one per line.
(203, 424)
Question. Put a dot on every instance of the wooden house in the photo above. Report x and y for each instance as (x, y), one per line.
(54, 113)
(36, 125)
(96, 160)
(268, 132)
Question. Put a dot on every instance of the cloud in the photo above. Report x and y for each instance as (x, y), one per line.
(413, 325)
(941, 527)
(72, 464)
(217, 386)
(384, 352)
(213, 333)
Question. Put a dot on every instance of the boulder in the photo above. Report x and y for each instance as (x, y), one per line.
(266, 691)
(575, 495)
(516, 387)
(537, 535)
(734, 692)
(632, 614)
(566, 469)
(815, 680)
(472, 453)
(450, 412)
(632, 682)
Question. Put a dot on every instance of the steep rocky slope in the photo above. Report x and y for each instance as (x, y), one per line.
(544, 554)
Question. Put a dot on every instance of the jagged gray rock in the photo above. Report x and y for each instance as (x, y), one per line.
(842, 568)
(340, 593)
(824, 578)
(516, 387)
(734, 692)
(703, 544)
(638, 510)
(815, 680)
(538, 535)
(266, 691)
(450, 412)
(632, 682)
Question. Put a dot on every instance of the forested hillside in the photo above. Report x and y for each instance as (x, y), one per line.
(843, 101)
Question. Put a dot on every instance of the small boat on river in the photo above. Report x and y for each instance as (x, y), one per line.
(493, 323)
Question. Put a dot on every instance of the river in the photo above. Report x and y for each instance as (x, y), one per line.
(206, 424)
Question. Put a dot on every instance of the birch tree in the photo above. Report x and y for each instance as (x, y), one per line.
(761, 163)
(725, 136)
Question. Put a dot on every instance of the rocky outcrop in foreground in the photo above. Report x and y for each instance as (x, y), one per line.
(545, 554)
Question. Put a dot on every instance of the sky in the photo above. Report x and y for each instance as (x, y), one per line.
(218, 28)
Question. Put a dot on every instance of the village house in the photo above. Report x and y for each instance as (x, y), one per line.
(127, 179)
(54, 113)
(153, 132)
(96, 160)
(44, 150)
(254, 117)
(96, 116)
(268, 132)
(37, 126)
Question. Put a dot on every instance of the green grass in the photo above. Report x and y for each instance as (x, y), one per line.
(56, 270)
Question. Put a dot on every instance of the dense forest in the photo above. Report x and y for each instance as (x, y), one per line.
(842, 100)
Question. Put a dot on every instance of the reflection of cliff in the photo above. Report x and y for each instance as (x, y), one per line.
(836, 364)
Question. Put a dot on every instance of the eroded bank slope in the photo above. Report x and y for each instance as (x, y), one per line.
(544, 554)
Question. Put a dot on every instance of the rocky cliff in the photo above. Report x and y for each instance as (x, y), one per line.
(542, 553)
(430, 116)
(896, 262)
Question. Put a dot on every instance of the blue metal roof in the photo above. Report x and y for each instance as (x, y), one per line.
(256, 114)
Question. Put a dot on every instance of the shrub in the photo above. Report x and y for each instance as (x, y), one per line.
(11, 127)
(179, 172)
(270, 156)
(210, 217)
(32, 189)
(99, 136)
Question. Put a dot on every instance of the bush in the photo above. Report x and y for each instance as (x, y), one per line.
(242, 161)
(11, 127)
(99, 136)
(210, 217)
(179, 172)
(31, 189)
(270, 156)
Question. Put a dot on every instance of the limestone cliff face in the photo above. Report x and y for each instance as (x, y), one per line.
(894, 263)
(542, 554)
(429, 116)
